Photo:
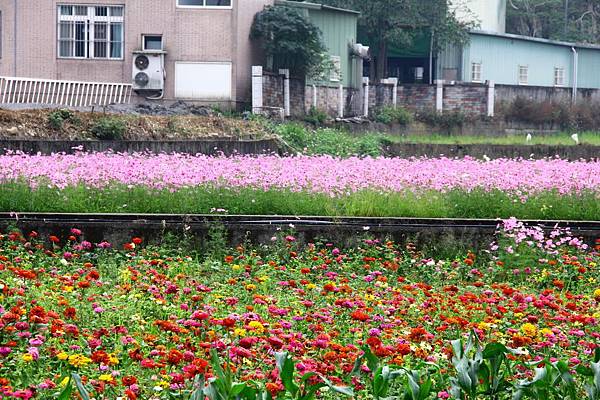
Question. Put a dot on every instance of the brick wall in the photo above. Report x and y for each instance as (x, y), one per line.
(468, 98)
(272, 90)
(416, 97)
(380, 95)
(297, 97)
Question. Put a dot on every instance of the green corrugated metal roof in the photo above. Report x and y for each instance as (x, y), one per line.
(313, 6)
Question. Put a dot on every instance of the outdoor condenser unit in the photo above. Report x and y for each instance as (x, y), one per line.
(148, 74)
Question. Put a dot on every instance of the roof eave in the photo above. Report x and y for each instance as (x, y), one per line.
(535, 39)
(314, 6)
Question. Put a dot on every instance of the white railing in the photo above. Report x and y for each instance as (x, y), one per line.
(62, 93)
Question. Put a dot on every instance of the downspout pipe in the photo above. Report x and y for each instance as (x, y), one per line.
(575, 74)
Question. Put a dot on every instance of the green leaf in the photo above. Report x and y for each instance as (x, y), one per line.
(494, 350)
(345, 390)
(238, 388)
(197, 394)
(583, 370)
(80, 388)
(216, 364)
(286, 372)
(66, 392)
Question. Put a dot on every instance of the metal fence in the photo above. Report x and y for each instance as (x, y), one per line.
(62, 93)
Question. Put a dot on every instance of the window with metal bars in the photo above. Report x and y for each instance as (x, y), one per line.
(90, 32)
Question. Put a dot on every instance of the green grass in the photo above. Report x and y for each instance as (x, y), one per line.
(329, 141)
(339, 143)
(18, 197)
(562, 139)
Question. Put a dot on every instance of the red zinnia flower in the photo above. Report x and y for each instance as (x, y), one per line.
(174, 357)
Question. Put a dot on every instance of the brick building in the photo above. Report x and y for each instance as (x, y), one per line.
(207, 51)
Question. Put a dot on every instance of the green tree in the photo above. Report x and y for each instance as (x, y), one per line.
(290, 41)
(398, 22)
(570, 20)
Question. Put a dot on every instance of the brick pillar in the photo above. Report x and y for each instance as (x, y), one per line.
(257, 89)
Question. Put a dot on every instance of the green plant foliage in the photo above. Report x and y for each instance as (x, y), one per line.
(291, 41)
(56, 118)
(329, 141)
(109, 128)
(393, 115)
(19, 197)
(446, 122)
(316, 116)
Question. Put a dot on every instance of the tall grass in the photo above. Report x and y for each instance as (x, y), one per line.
(19, 197)
(559, 139)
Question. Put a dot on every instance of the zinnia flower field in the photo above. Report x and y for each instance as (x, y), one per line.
(309, 185)
(375, 321)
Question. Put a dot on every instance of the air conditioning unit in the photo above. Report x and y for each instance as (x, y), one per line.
(360, 51)
(148, 74)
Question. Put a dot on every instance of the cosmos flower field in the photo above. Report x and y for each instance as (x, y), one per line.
(379, 320)
(308, 185)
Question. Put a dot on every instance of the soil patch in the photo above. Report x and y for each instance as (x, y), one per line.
(34, 124)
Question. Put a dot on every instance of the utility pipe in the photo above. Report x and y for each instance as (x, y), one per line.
(575, 74)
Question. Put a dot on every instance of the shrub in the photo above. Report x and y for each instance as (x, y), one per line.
(316, 116)
(109, 128)
(390, 115)
(56, 118)
(447, 122)
(291, 41)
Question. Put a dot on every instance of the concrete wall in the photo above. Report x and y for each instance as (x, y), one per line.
(209, 147)
(198, 35)
(508, 93)
(489, 14)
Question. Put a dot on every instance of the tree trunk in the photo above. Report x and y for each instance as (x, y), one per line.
(381, 60)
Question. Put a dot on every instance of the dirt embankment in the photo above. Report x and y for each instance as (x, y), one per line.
(36, 124)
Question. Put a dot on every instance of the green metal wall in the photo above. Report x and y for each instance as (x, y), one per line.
(339, 30)
(501, 57)
(589, 68)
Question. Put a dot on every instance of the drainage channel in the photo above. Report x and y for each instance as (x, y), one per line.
(119, 228)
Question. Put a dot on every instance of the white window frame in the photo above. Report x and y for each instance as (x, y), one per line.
(476, 69)
(205, 7)
(559, 76)
(90, 19)
(145, 35)
(523, 77)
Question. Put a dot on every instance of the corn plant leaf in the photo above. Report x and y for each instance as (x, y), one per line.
(80, 388)
(198, 393)
(66, 392)
(494, 350)
(285, 365)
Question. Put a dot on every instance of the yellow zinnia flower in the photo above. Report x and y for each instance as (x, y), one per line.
(78, 360)
(529, 330)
